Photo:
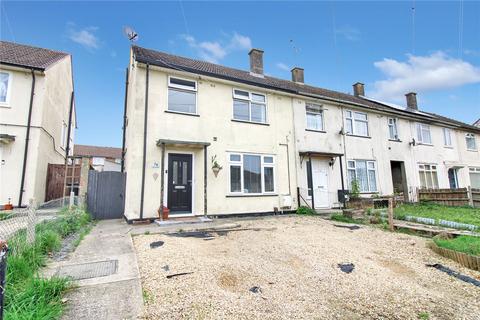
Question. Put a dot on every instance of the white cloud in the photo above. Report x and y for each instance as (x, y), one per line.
(214, 51)
(84, 37)
(282, 66)
(421, 74)
(349, 33)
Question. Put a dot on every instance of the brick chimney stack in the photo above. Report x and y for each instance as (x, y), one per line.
(256, 61)
(358, 89)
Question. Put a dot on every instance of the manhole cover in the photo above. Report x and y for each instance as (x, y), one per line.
(88, 270)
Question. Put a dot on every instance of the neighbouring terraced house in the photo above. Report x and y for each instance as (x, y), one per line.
(208, 139)
(37, 119)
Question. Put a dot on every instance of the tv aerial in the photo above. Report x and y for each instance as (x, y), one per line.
(130, 33)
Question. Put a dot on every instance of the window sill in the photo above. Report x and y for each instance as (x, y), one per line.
(313, 130)
(251, 122)
(183, 113)
(472, 150)
(448, 147)
(357, 136)
(395, 140)
(425, 144)
(5, 106)
(251, 195)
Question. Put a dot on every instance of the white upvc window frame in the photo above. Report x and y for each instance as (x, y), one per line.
(250, 101)
(393, 123)
(263, 165)
(420, 127)
(368, 167)
(472, 136)
(447, 138)
(182, 88)
(6, 103)
(350, 116)
(319, 113)
(423, 168)
(473, 170)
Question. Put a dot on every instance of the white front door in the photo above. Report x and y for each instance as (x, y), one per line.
(320, 183)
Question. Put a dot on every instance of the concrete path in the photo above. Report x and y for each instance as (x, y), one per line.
(115, 296)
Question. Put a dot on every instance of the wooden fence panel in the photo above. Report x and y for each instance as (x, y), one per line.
(447, 197)
(475, 198)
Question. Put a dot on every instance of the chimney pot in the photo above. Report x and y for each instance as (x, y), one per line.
(412, 101)
(358, 89)
(256, 61)
(298, 75)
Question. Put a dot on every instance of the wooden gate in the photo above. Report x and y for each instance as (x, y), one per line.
(106, 194)
(56, 180)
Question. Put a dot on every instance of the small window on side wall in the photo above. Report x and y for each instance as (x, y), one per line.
(182, 95)
(5, 87)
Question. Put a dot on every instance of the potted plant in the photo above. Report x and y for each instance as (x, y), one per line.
(216, 167)
(8, 206)
(163, 212)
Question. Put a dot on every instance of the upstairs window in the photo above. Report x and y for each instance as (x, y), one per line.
(5, 84)
(182, 95)
(423, 133)
(471, 142)
(428, 176)
(314, 117)
(356, 123)
(447, 137)
(364, 172)
(392, 129)
(251, 173)
(248, 106)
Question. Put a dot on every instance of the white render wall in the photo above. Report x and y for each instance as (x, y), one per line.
(215, 109)
(287, 120)
(50, 107)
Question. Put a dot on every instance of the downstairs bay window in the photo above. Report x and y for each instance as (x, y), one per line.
(364, 172)
(251, 174)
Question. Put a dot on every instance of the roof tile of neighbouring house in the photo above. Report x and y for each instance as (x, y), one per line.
(28, 56)
(95, 151)
(166, 60)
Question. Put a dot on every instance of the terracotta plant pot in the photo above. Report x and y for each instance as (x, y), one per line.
(8, 206)
(163, 212)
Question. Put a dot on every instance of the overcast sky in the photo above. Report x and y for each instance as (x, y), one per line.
(433, 49)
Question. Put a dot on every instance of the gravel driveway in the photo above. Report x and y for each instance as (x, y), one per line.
(294, 262)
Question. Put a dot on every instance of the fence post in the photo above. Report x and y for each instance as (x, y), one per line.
(3, 273)
(390, 214)
(470, 196)
(31, 221)
(71, 200)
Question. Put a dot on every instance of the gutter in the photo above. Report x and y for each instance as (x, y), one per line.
(27, 139)
(124, 128)
(144, 161)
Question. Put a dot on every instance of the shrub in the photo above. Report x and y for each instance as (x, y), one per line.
(303, 210)
(355, 192)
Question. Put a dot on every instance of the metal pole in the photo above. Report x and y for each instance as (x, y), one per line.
(144, 161)
(205, 180)
(343, 184)
(310, 182)
(162, 179)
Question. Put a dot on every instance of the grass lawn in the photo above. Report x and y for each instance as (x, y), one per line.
(27, 296)
(457, 214)
(465, 244)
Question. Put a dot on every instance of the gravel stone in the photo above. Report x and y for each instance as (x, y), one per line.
(295, 262)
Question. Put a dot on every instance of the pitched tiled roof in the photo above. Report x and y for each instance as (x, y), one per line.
(95, 151)
(166, 60)
(28, 56)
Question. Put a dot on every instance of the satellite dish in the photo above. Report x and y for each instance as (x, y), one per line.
(130, 33)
